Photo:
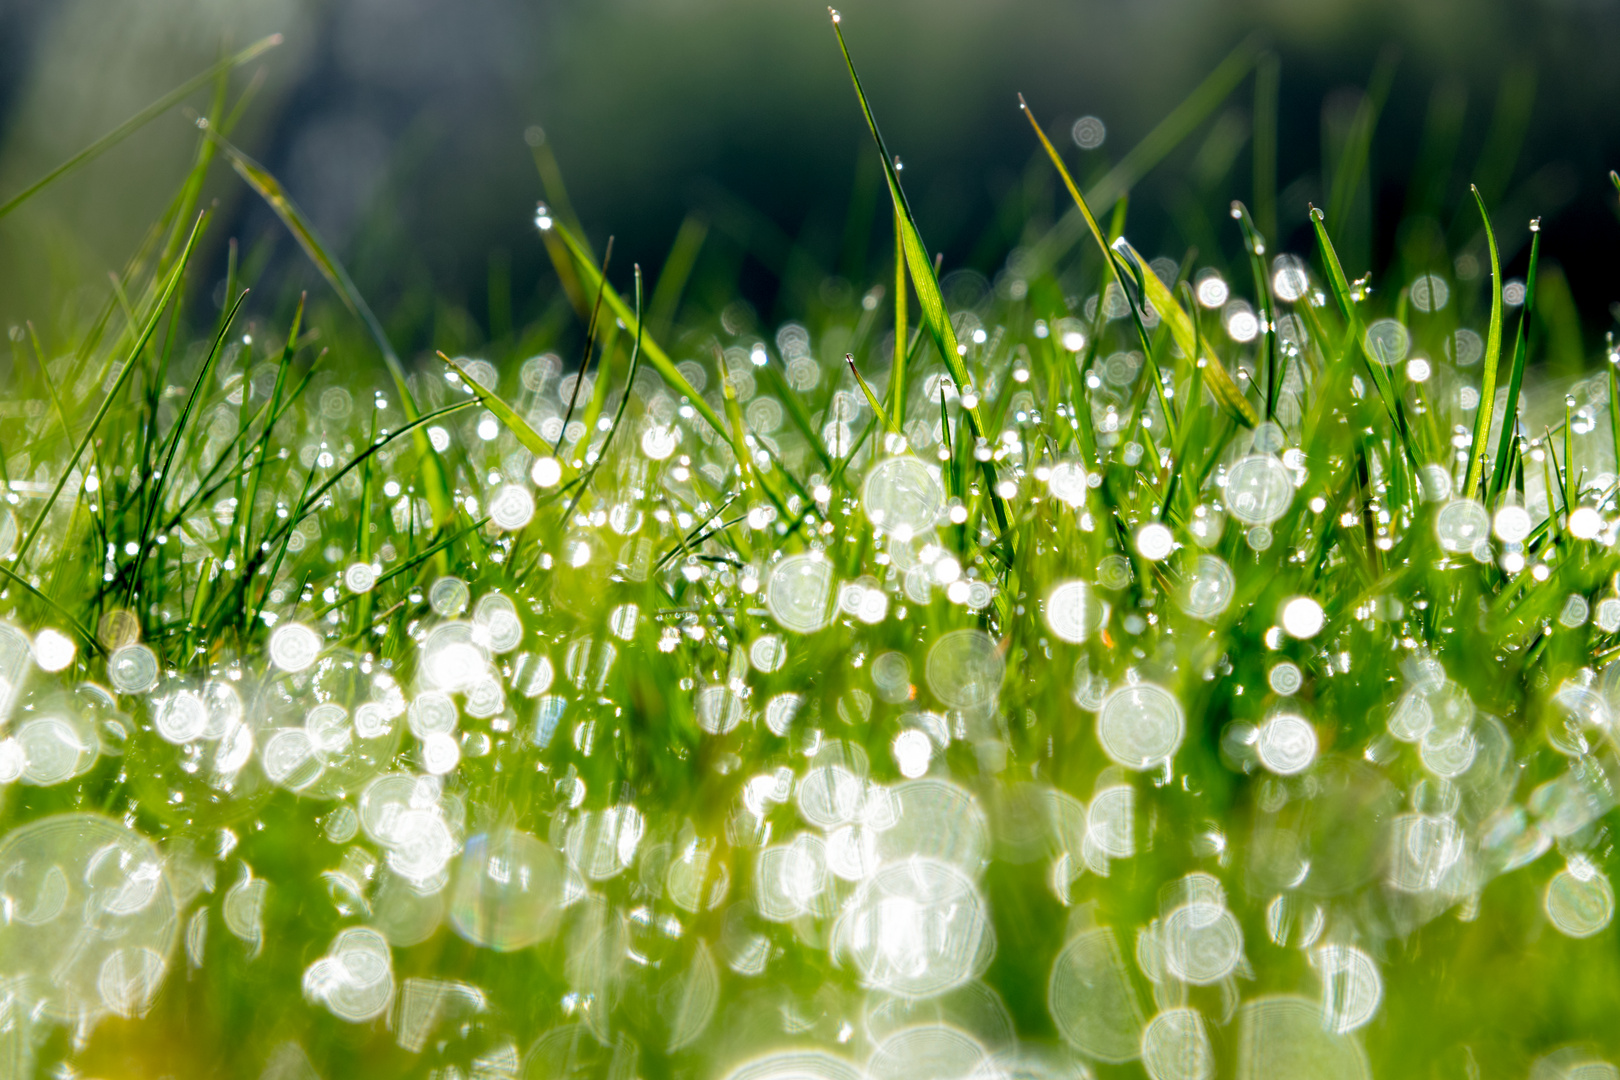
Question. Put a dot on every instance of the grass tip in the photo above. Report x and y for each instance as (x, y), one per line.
(1024, 105)
(832, 12)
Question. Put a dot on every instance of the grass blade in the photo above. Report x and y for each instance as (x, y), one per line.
(1493, 354)
(871, 398)
(923, 277)
(139, 120)
(592, 279)
(271, 191)
(1220, 381)
(1182, 121)
(489, 399)
(112, 392)
(1510, 413)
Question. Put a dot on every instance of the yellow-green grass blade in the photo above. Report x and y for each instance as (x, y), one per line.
(271, 191)
(1216, 377)
(1493, 353)
(1169, 133)
(592, 280)
(924, 278)
(1219, 380)
(113, 391)
(530, 438)
(139, 120)
(871, 398)
(1510, 409)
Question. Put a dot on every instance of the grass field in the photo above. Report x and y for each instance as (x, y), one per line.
(1192, 664)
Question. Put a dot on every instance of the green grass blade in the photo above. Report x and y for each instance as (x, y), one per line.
(1338, 284)
(1510, 413)
(924, 279)
(271, 191)
(1255, 245)
(1493, 354)
(1182, 121)
(1170, 132)
(1220, 381)
(139, 120)
(112, 393)
(1358, 145)
(676, 272)
(159, 481)
(489, 399)
(871, 398)
(1267, 76)
(591, 279)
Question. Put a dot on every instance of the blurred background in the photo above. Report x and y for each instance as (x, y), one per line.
(399, 126)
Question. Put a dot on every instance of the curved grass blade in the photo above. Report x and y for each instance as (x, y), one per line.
(1181, 122)
(139, 120)
(1255, 245)
(1493, 354)
(1510, 411)
(618, 416)
(112, 392)
(924, 278)
(871, 398)
(271, 191)
(1220, 381)
(530, 438)
(592, 279)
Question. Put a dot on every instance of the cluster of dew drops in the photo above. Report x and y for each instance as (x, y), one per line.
(851, 836)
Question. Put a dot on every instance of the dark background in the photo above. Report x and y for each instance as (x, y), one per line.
(398, 126)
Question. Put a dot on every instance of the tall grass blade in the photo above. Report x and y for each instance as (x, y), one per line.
(1267, 76)
(925, 279)
(124, 373)
(1169, 133)
(1220, 381)
(531, 439)
(139, 120)
(271, 191)
(1353, 161)
(1493, 354)
(1502, 465)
